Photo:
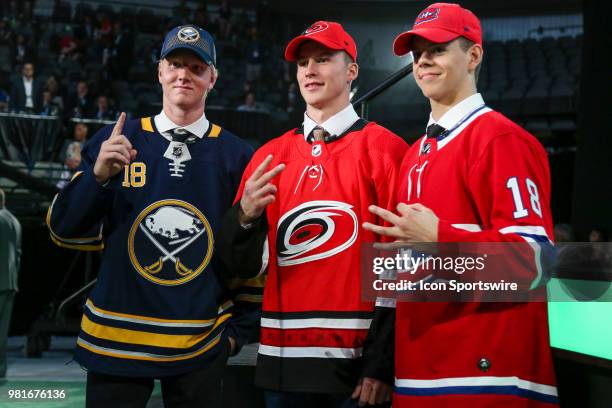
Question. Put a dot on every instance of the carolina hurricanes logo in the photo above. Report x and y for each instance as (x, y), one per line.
(315, 230)
(427, 15)
(315, 28)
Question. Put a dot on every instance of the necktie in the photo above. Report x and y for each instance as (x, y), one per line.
(318, 134)
(181, 135)
(434, 130)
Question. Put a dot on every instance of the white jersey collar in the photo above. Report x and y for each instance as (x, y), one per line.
(336, 125)
(458, 112)
(197, 128)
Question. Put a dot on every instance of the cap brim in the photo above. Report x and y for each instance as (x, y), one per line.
(291, 52)
(403, 43)
(199, 53)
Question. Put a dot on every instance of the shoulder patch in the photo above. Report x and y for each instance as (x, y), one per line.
(146, 124)
(215, 130)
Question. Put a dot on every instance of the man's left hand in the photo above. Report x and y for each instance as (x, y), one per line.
(371, 391)
(415, 223)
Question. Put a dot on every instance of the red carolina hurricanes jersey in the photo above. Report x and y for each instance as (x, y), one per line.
(314, 322)
(487, 181)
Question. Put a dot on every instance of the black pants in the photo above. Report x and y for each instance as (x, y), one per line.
(199, 388)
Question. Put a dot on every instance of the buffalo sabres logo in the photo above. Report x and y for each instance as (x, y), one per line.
(315, 230)
(427, 15)
(315, 28)
(170, 242)
(188, 34)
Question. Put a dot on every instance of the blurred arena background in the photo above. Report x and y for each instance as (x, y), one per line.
(547, 66)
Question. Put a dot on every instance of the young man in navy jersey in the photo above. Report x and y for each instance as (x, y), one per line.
(151, 192)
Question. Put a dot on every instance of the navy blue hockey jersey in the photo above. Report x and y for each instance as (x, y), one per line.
(158, 307)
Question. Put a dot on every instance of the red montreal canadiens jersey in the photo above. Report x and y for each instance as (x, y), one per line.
(487, 181)
(314, 321)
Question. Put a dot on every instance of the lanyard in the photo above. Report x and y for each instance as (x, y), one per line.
(461, 122)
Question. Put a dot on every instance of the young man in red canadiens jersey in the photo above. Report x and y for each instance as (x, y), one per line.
(475, 177)
(321, 344)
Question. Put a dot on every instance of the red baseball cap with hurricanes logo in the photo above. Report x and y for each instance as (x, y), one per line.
(327, 33)
(440, 23)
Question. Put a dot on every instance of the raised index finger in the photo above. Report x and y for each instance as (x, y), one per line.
(118, 129)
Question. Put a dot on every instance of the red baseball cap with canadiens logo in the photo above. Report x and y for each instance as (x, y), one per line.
(440, 23)
(327, 33)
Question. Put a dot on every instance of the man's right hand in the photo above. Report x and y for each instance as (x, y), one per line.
(115, 152)
(258, 192)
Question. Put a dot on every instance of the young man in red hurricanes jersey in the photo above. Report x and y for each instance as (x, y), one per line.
(321, 344)
(475, 177)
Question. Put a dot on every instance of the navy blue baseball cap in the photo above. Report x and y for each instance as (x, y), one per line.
(193, 38)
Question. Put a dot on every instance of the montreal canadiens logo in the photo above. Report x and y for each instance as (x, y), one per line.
(315, 230)
(427, 15)
(170, 242)
(315, 28)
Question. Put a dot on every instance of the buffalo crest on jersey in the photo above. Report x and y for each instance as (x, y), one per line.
(170, 242)
(315, 230)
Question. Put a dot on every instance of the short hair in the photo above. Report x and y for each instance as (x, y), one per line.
(465, 45)
(347, 58)
(2, 198)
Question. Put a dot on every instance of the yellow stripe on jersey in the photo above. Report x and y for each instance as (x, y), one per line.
(145, 319)
(80, 247)
(258, 282)
(81, 243)
(147, 338)
(146, 124)
(215, 131)
(146, 356)
(75, 175)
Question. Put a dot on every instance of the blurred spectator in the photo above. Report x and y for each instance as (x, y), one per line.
(122, 49)
(22, 52)
(82, 102)
(225, 19)
(85, 32)
(105, 24)
(564, 233)
(253, 55)
(250, 104)
(10, 260)
(4, 98)
(598, 235)
(103, 110)
(248, 87)
(72, 149)
(49, 108)
(26, 91)
(7, 35)
(68, 45)
(26, 10)
(52, 85)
